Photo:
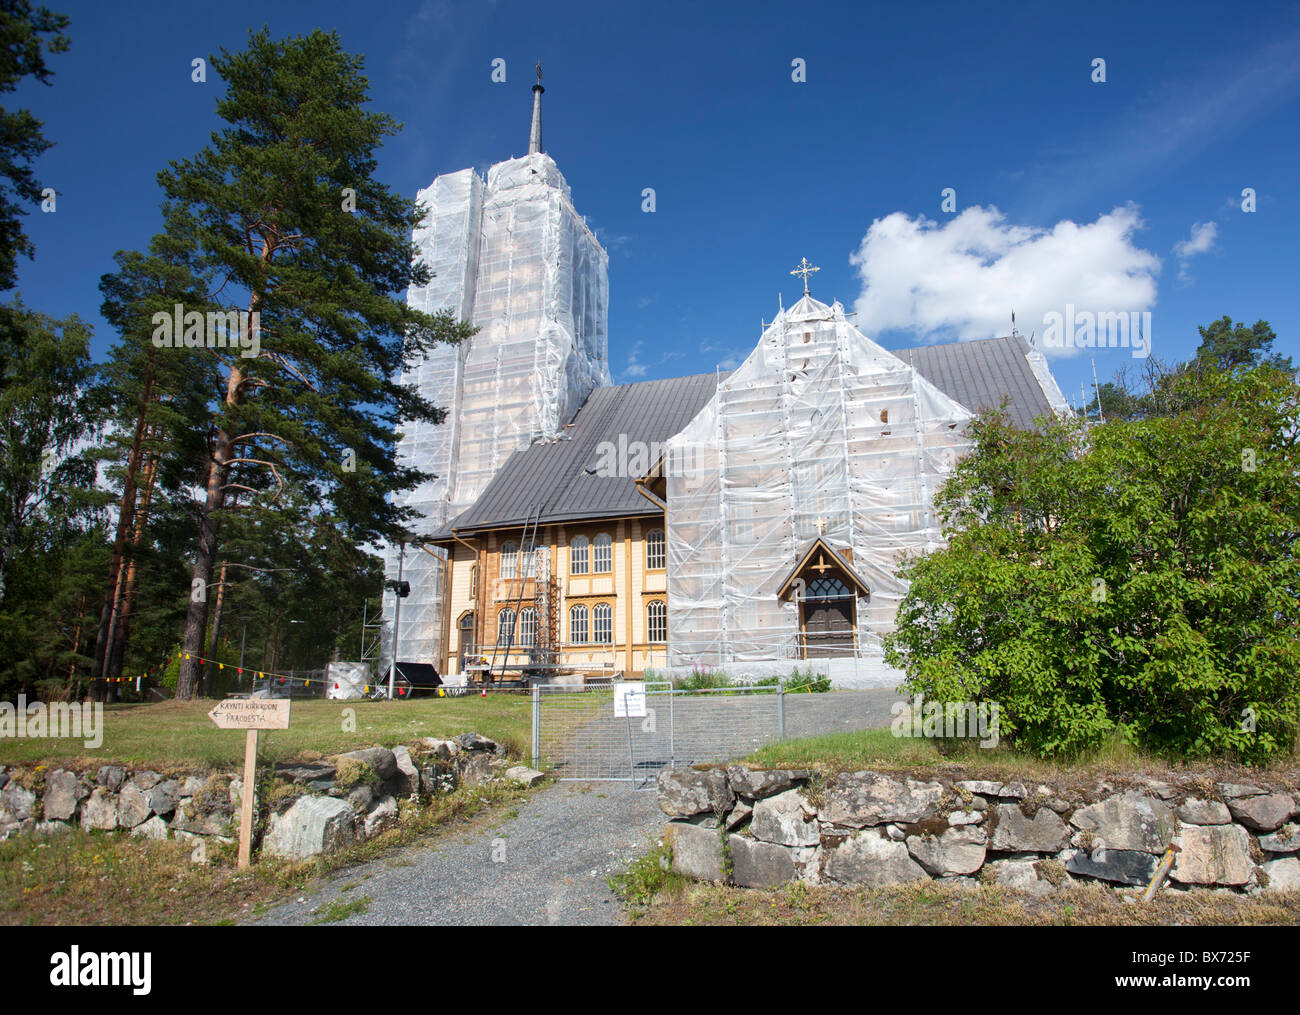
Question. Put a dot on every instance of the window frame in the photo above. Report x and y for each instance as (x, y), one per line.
(575, 611)
(663, 550)
(585, 544)
(603, 541)
(607, 612)
(651, 622)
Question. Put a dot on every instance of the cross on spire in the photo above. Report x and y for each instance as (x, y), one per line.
(805, 269)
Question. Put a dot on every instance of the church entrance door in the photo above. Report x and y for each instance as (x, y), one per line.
(828, 619)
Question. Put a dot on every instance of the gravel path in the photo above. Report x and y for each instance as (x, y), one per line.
(552, 861)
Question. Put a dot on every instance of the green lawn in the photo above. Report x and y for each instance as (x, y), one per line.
(179, 735)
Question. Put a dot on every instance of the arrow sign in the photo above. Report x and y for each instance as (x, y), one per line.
(252, 714)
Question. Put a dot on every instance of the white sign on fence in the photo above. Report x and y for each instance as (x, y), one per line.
(629, 699)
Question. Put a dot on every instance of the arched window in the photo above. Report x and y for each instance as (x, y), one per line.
(656, 558)
(824, 589)
(528, 627)
(578, 624)
(467, 646)
(601, 555)
(509, 560)
(578, 555)
(506, 627)
(602, 624)
(656, 620)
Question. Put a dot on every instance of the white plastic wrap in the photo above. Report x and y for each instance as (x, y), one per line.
(347, 681)
(514, 258)
(794, 445)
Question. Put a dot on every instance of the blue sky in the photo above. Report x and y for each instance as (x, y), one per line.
(1116, 196)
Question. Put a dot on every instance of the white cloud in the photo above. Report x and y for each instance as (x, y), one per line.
(1201, 241)
(963, 278)
(634, 368)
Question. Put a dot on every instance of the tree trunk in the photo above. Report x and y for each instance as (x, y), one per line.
(125, 522)
(214, 640)
(122, 628)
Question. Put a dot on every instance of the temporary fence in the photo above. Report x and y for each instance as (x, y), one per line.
(629, 731)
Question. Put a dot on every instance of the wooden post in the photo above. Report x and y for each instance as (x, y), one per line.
(246, 809)
(250, 715)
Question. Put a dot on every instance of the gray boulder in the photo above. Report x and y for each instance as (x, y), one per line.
(164, 797)
(754, 784)
(379, 759)
(1130, 821)
(1212, 855)
(154, 828)
(146, 779)
(1019, 876)
(868, 858)
(476, 742)
(524, 775)
(1285, 840)
(1195, 811)
(981, 787)
(99, 812)
(1121, 866)
(381, 816)
(439, 778)
(205, 823)
(406, 781)
(132, 806)
(1266, 812)
(63, 792)
(444, 750)
(787, 819)
(111, 777)
(19, 802)
(1015, 833)
(312, 825)
(956, 851)
(473, 768)
(697, 851)
(298, 772)
(1283, 875)
(757, 864)
(864, 799)
(1232, 790)
(684, 792)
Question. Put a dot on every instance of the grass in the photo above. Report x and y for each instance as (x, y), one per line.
(340, 909)
(933, 904)
(880, 750)
(174, 736)
(109, 878)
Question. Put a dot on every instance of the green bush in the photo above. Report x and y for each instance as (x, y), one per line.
(1138, 578)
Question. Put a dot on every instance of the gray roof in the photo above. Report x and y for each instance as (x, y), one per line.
(559, 476)
(978, 374)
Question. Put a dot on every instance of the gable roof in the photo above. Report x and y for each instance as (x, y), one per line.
(803, 558)
(559, 476)
(979, 373)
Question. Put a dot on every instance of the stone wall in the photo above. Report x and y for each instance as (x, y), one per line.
(759, 829)
(311, 807)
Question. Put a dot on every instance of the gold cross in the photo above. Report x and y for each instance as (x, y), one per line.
(822, 567)
(805, 269)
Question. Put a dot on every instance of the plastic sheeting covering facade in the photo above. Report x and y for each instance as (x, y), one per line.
(513, 257)
(819, 432)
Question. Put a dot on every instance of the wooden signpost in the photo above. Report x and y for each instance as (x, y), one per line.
(250, 715)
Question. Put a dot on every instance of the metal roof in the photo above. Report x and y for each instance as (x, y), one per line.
(560, 476)
(979, 373)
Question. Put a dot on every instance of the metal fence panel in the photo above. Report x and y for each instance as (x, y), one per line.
(576, 733)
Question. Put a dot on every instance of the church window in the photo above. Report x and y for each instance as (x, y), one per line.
(656, 616)
(602, 624)
(509, 560)
(601, 554)
(578, 555)
(505, 627)
(578, 625)
(527, 626)
(655, 550)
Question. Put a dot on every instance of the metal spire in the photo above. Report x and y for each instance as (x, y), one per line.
(535, 135)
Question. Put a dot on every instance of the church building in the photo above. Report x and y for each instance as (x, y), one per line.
(750, 521)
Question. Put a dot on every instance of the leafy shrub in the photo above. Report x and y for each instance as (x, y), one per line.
(1138, 579)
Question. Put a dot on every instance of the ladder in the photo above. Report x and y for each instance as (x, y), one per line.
(526, 552)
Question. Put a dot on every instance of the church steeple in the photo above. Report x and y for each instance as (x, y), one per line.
(535, 135)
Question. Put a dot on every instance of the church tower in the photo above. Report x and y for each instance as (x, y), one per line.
(511, 255)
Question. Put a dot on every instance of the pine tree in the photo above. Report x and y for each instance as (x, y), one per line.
(284, 210)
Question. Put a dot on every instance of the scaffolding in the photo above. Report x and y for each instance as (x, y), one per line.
(819, 433)
(513, 257)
